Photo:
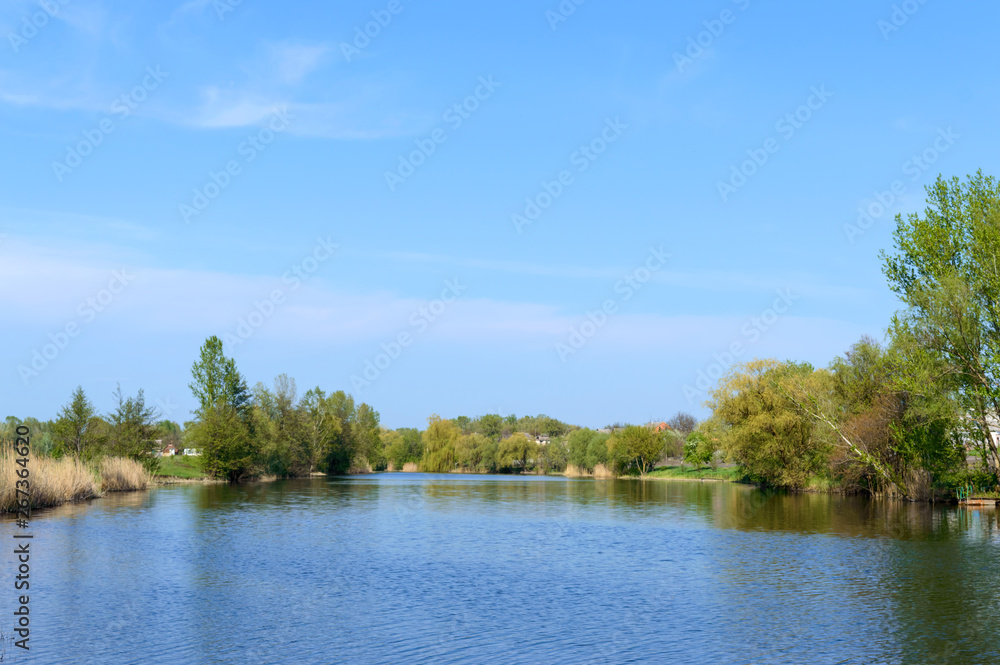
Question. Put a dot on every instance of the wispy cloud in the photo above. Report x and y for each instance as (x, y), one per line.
(715, 281)
(293, 62)
(46, 284)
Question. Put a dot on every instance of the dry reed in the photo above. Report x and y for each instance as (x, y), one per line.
(601, 471)
(411, 467)
(51, 481)
(360, 466)
(119, 474)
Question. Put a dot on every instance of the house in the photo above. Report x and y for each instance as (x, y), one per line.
(542, 440)
(170, 450)
(661, 427)
(193, 452)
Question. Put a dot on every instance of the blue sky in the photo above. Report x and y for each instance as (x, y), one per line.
(120, 120)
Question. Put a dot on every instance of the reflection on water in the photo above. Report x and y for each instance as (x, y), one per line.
(415, 568)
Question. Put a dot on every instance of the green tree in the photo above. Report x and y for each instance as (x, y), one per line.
(577, 445)
(490, 426)
(767, 433)
(216, 381)
(323, 427)
(439, 441)
(133, 429)
(75, 429)
(342, 447)
(471, 451)
(282, 429)
(223, 401)
(698, 450)
(553, 456)
(886, 437)
(635, 448)
(403, 446)
(944, 269)
(517, 452)
(368, 437)
(225, 442)
(597, 450)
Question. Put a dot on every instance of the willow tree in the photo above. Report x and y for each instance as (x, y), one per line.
(439, 441)
(766, 431)
(946, 270)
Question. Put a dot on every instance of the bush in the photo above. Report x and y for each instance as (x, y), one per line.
(699, 451)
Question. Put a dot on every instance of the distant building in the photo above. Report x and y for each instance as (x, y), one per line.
(542, 440)
(192, 452)
(661, 427)
(170, 450)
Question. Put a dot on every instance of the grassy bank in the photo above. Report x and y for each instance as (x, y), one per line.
(56, 481)
(731, 474)
(179, 466)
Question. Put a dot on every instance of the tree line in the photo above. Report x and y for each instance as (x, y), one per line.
(129, 430)
(243, 433)
(898, 418)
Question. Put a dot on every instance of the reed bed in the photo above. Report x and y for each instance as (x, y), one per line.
(411, 467)
(601, 471)
(119, 474)
(51, 481)
(56, 481)
(359, 466)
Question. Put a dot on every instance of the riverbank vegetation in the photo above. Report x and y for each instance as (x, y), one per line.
(899, 417)
(54, 481)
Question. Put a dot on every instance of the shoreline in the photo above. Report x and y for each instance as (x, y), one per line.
(168, 481)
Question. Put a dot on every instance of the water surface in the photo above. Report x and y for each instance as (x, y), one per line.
(415, 568)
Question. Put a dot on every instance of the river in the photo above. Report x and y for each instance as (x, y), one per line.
(419, 568)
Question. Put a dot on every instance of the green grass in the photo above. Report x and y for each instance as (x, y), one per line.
(732, 474)
(821, 484)
(181, 467)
